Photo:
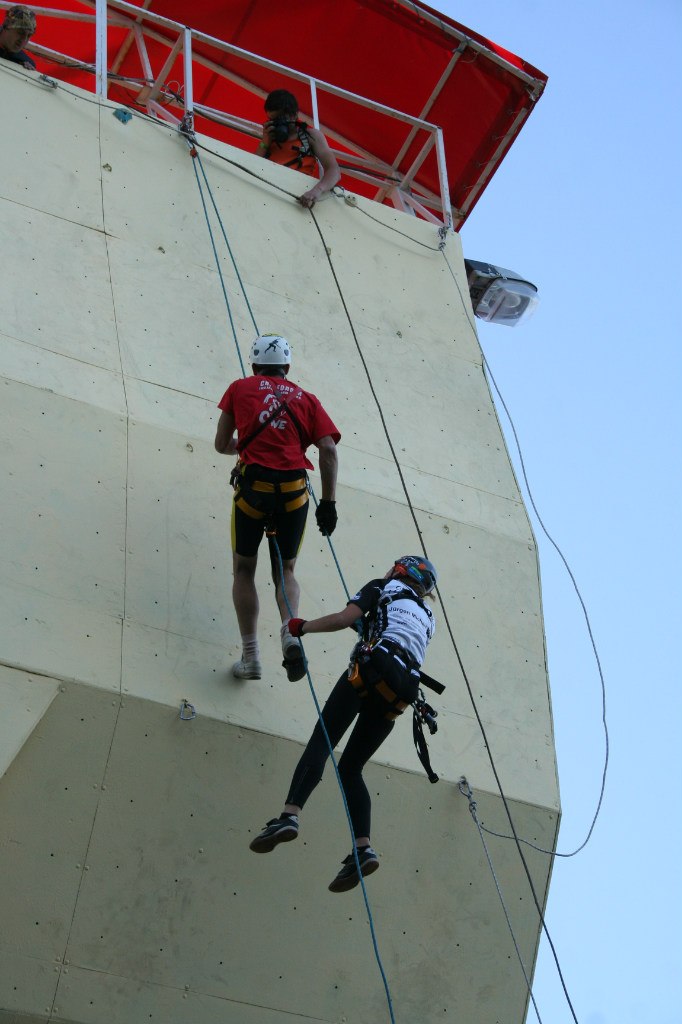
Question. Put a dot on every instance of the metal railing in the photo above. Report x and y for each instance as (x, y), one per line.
(152, 91)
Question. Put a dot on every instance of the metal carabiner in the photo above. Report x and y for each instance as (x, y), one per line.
(465, 789)
(186, 706)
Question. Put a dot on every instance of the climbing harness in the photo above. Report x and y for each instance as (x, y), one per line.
(366, 679)
(388, 683)
(260, 498)
(382, 667)
(296, 153)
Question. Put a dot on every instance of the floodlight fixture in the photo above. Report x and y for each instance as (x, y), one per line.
(500, 296)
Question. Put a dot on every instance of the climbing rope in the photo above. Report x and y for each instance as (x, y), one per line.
(453, 641)
(445, 617)
(320, 719)
(193, 147)
(465, 790)
(275, 545)
(217, 260)
(488, 371)
(229, 247)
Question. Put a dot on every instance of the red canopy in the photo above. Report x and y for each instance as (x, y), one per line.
(396, 52)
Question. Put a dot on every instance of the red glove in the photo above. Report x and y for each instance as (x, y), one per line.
(296, 626)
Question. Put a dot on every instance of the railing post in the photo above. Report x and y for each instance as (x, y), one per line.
(313, 101)
(101, 47)
(189, 92)
(443, 178)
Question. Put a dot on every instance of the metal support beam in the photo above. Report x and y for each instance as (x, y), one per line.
(165, 115)
(313, 103)
(128, 42)
(419, 159)
(189, 92)
(423, 212)
(101, 48)
(431, 100)
(443, 179)
(144, 55)
(428, 15)
(494, 160)
(152, 94)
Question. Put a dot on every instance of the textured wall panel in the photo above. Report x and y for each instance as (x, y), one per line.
(56, 292)
(52, 165)
(24, 700)
(131, 894)
(153, 903)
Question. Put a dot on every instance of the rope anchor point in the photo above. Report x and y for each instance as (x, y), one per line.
(187, 710)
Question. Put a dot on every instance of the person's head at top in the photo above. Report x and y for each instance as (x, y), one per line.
(270, 356)
(288, 141)
(281, 111)
(17, 28)
(418, 573)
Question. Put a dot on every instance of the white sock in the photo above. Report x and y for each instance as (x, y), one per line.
(250, 650)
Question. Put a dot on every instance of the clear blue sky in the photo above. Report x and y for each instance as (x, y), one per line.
(587, 206)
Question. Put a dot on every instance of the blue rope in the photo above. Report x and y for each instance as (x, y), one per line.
(343, 794)
(220, 272)
(246, 299)
(229, 248)
(281, 567)
(331, 547)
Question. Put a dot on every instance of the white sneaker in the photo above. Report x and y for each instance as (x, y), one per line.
(291, 648)
(246, 669)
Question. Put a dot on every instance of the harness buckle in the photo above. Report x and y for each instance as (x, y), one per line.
(427, 714)
(236, 474)
(269, 527)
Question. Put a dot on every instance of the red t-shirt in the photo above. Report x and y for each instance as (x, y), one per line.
(279, 445)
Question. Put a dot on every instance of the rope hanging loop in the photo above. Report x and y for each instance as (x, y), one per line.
(466, 790)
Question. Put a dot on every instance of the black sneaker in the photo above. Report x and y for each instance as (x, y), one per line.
(348, 876)
(294, 662)
(279, 830)
(296, 667)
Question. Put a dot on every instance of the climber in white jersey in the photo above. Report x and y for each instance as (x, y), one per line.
(382, 680)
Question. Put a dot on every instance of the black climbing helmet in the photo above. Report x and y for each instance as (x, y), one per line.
(420, 570)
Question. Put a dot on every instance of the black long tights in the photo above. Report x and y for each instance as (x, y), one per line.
(370, 731)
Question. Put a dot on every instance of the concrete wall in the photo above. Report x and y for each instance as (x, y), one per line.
(130, 893)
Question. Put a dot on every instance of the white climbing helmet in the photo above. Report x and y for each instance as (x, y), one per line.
(270, 350)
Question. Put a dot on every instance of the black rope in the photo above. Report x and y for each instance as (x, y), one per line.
(554, 544)
(280, 566)
(465, 790)
(447, 621)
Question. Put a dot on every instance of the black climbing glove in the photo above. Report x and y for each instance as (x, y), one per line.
(326, 517)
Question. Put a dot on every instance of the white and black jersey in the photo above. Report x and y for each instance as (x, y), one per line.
(395, 612)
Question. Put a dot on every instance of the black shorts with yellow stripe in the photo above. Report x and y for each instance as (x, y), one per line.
(269, 496)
